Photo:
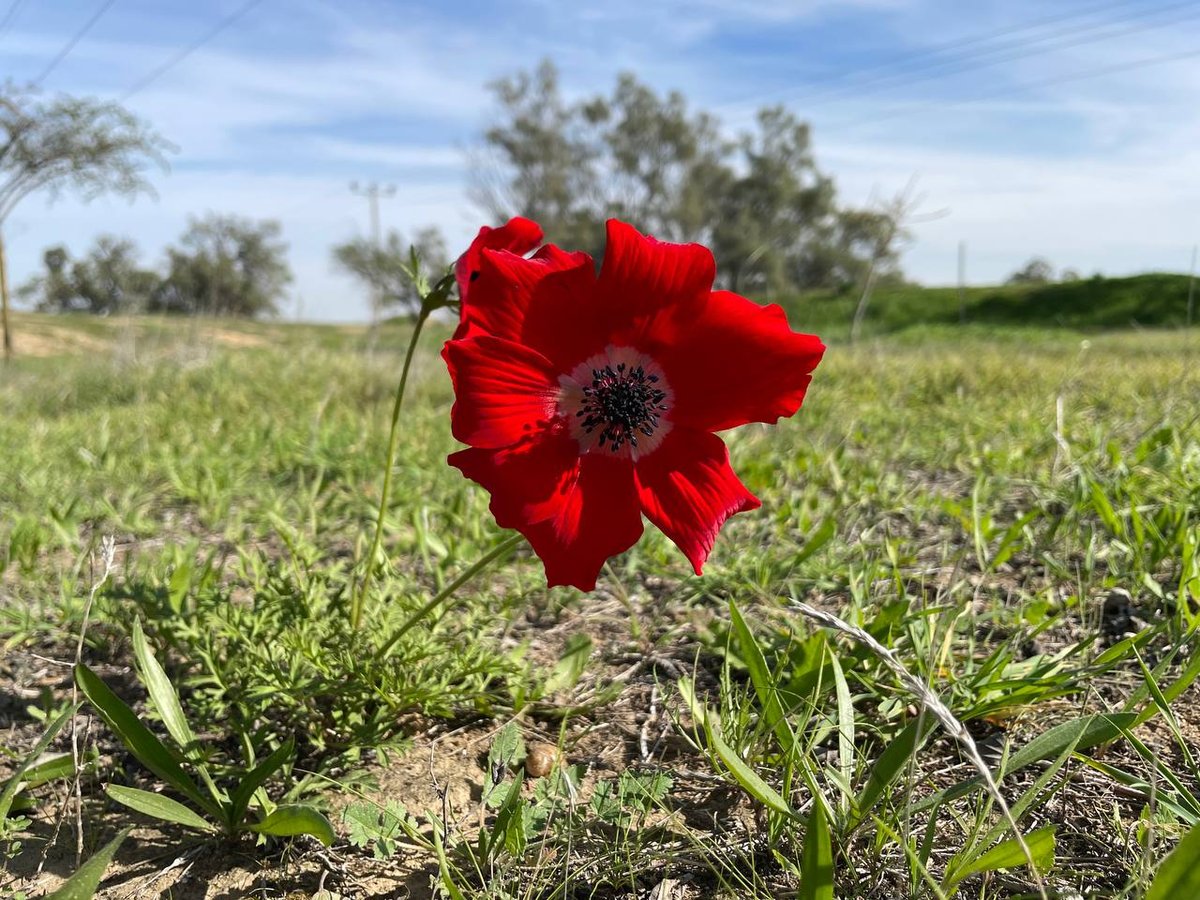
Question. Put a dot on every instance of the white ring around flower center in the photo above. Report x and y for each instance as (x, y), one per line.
(573, 402)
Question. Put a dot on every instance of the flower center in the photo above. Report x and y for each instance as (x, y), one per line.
(621, 403)
(617, 402)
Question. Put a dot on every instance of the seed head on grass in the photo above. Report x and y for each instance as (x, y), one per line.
(940, 711)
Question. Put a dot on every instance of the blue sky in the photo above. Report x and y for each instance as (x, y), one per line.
(1065, 129)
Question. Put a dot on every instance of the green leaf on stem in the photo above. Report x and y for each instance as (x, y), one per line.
(816, 871)
(158, 807)
(288, 821)
(86, 880)
(137, 738)
(242, 794)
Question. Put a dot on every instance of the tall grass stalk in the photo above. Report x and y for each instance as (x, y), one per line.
(364, 581)
(941, 712)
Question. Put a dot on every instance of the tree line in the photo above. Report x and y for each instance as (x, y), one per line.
(772, 217)
(758, 199)
(222, 266)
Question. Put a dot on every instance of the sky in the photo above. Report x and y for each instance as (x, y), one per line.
(1068, 130)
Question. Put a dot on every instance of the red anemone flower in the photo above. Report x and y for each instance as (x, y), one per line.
(517, 235)
(589, 400)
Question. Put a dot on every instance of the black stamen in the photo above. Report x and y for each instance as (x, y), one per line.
(621, 402)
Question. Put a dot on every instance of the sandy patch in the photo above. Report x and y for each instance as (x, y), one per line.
(52, 341)
(238, 339)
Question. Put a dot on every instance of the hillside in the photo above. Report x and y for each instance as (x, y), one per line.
(1154, 300)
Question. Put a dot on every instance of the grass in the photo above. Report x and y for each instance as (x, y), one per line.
(1014, 513)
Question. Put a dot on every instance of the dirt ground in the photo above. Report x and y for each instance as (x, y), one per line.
(443, 770)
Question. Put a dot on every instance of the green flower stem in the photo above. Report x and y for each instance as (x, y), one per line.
(448, 591)
(356, 598)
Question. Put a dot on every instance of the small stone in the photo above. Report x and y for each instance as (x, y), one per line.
(540, 760)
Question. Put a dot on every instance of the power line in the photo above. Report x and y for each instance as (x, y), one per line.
(895, 71)
(939, 49)
(154, 74)
(8, 16)
(1078, 39)
(75, 39)
(1033, 85)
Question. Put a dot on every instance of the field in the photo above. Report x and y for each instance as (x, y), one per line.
(1014, 513)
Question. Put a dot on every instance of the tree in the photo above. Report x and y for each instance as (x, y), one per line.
(68, 143)
(106, 281)
(225, 266)
(542, 156)
(664, 160)
(53, 291)
(109, 280)
(881, 232)
(382, 269)
(760, 202)
(1036, 271)
(781, 208)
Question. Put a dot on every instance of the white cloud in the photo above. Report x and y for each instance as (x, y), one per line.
(1098, 214)
(1093, 173)
(401, 157)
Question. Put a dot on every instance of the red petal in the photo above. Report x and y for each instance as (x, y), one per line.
(517, 235)
(575, 512)
(688, 490)
(500, 296)
(504, 392)
(737, 362)
(642, 277)
(527, 481)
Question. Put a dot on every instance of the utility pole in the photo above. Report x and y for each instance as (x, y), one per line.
(1191, 310)
(962, 282)
(4, 302)
(372, 190)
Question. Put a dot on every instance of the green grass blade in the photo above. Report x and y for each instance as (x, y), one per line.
(816, 870)
(137, 738)
(1105, 510)
(1178, 876)
(1082, 733)
(746, 776)
(825, 532)
(59, 765)
(571, 664)
(845, 728)
(166, 703)
(1170, 693)
(917, 866)
(288, 821)
(1009, 855)
(86, 880)
(16, 779)
(1166, 772)
(162, 692)
(887, 769)
(1164, 707)
(240, 801)
(445, 871)
(1139, 783)
(1039, 791)
(773, 713)
(158, 807)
